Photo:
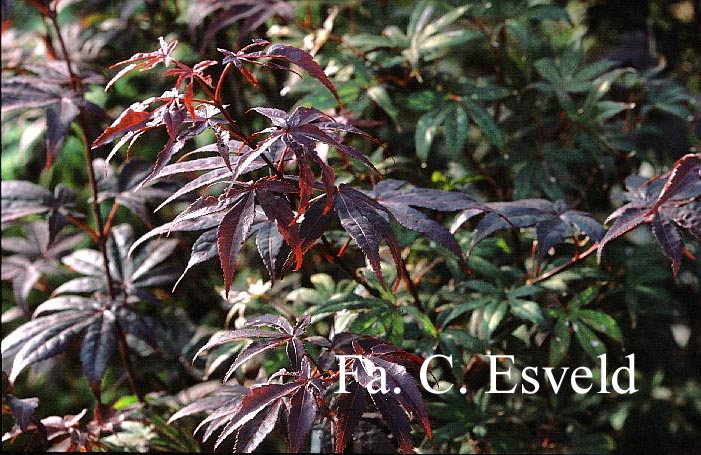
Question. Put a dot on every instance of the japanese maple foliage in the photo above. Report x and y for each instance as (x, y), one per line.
(301, 188)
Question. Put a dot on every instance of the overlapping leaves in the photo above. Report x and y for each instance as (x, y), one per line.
(21, 198)
(133, 275)
(250, 414)
(665, 206)
(96, 318)
(35, 255)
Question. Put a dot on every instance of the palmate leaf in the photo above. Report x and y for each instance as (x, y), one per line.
(68, 433)
(283, 334)
(398, 200)
(361, 217)
(60, 320)
(23, 410)
(144, 61)
(45, 337)
(269, 243)
(173, 114)
(35, 255)
(396, 408)
(282, 52)
(237, 216)
(554, 222)
(98, 345)
(299, 132)
(223, 13)
(122, 186)
(349, 410)
(232, 233)
(204, 248)
(134, 274)
(21, 198)
(47, 86)
(665, 207)
(252, 416)
(226, 394)
(301, 416)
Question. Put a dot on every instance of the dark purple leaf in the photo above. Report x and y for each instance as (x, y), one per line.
(301, 415)
(686, 171)
(227, 337)
(98, 345)
(204, 248)
(53, 339)
(626, 221)
(58, 118)
(416, 221)
(232, 234)
(23, 410)
(145, 60)
(257, 400)
(250, 435)
(20, 198)
(252, 350)
(549, 233)
(349, 409)
(360, 217)
(134, 118)
(394, 416)
(226, 395)
(669, 240)
(86, 284)
(273, 321)
(269, 242)
(305, 61)
(278, 210)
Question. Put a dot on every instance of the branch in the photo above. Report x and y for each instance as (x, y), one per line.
(126, 363)
(564, 266)
(83, 122)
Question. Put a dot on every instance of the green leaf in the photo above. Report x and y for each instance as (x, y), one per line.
(591, 343)
(423, 101)
(608, 109)
(545, 12)
(431, 48)
(378, 93)
(548, 70)
(416, 16)
(584, 298)
(526, 290)
(601, 322)
(455, 337)
(366, 41)
(445, 20)
(523, 182)
(492, 317)
(570, 62)
(426, 129)
(323, 283)
(348, 302)
(527, 310)
(486, 124)
(394, 325)
(483, 286)
(455, 130)
(423, 320)
(461, 309)
(593, 70)
(365, 321)
(559, 341)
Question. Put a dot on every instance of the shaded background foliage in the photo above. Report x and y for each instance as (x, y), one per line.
(501, 100)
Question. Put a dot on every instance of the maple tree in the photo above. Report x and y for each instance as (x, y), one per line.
(305, 184)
